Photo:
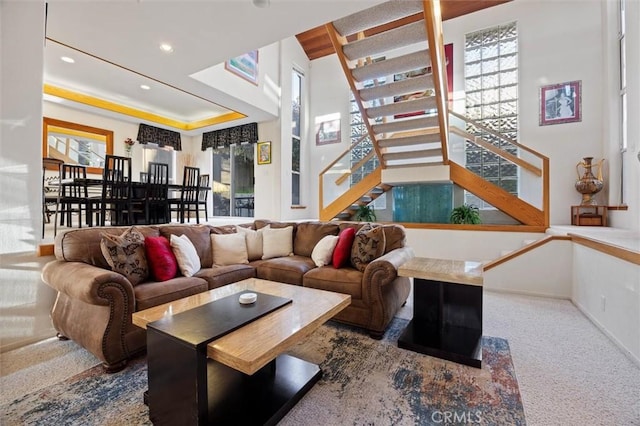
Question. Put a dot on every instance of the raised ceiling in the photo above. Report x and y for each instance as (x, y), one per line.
(316, 42)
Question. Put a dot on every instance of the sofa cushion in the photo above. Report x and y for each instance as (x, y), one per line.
(277, 242)
(198, 235)
(368, 245)
(285, 269)
(229, 249)
(346, 280)
(162, 262)
(261, 223)
(186, 255)
(323, 251)
(394, 237)
(83, 245)
(223, 229)
(309, 234)
(218, 276)
(342, 252)
(125, 254)
(151, 293)
(253, 241)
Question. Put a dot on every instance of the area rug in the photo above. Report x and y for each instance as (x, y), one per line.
(364, 381)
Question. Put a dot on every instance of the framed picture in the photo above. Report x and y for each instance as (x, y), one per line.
(245, 66)
(328, 131)
(561, 103)
(264, 152)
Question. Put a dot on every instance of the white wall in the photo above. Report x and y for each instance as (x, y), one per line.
(607, 290)
(25, 302)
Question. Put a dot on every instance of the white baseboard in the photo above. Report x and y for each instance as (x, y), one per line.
(34, 338)
(611, 337)
(525, 293)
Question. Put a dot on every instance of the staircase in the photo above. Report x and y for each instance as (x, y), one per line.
(408, 120)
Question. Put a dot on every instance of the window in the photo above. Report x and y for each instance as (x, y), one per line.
(166, 155)
(233, 181)
(491, 86)
(623, 75)
(296, 113)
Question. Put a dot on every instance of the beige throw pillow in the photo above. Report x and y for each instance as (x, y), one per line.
(277, 242)
(186, 255)
(229, 249)
(323, 251)
(253, 241)
(125, 254)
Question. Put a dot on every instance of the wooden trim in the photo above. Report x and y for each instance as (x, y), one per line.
(338, 42)
(524, 249)
(546, 196)
(298, 207)
(606, 248)
(500, 152)
(498, 135)
(433, 25)
(481, 227)
(623, 207)
(45, 250)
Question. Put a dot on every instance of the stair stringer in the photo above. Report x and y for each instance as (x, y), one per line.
(352, 196)
(496, 196)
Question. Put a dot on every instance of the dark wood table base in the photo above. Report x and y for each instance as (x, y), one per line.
(447, 322)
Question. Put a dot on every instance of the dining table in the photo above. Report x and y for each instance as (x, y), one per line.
(138, 192)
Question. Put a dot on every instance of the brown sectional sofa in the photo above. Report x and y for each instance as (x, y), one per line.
(94, 304)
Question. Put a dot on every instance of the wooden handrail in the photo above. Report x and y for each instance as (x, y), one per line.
(433, 26)
(498, 135)
(359, 164)
(500, 152)
(352, 195)
(523, 250)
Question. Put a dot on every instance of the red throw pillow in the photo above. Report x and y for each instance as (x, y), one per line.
(162, 262)
(342, 252)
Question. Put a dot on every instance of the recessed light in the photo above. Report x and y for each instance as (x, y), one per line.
(67, 59)
(166, 47)
(145, 87)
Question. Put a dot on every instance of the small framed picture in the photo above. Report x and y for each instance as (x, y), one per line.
(561, 103)
(245, 66)
(264, 152)
(328, 129)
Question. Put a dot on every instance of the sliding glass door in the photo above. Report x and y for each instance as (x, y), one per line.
(233, 181)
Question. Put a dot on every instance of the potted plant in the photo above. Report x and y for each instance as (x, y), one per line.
(365, 213)
(465, 214)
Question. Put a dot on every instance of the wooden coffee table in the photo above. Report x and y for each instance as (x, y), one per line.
(242, 377)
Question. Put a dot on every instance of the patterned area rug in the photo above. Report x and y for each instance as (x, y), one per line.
(365, 381)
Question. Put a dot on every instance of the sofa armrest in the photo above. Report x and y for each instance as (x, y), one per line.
(85, 282)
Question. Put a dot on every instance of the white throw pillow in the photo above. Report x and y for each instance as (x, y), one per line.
(277, 242)
(228, 249)
(186, 255)
(253, 241)
(323, 251)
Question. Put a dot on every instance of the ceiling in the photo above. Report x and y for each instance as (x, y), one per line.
(116, 48)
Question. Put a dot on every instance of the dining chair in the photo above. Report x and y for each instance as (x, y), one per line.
(203, 194)
(50, 198)
(74, 195)
(144, 177)
(156, 203)
(188, 200)
(116, 191)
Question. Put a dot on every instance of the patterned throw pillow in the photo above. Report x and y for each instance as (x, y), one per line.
(368, 245)
(125, 254)
(162, 262)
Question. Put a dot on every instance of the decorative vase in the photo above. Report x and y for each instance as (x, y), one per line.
(588, 184)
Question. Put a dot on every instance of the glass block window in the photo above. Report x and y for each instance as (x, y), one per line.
(358, 132)
(491, 86)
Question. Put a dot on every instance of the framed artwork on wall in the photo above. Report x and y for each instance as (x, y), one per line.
(561, 103)
(245, 66)
(264, 152)
(328, 129)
